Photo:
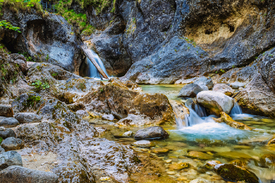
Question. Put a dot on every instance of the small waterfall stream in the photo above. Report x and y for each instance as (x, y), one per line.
(236, 109)
(93, 72)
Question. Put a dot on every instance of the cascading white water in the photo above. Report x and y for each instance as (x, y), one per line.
(236, 109)
(93, 72)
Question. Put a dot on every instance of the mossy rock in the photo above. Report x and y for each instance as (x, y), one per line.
(234, 173)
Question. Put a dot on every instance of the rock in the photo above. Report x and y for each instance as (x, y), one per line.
(190, 90)
(178, 166)
(122, 102)
(204, 82)
(6, 110)
(7, 133)
(234, 173)
(27, 102)
(200, 180)
(82, 113)
(211, 164)
(216, 102)
(160, 150)
(2, 150)
(229, 121)
(10, 158)
(257, 97)
(108, 117)
(223, 88)
(239, 162)
(12, 143)
(237, 85)
(151, 133)
(143, 143)
(9, 122)
(128, 134)
(267, 68)
(26, 117)
(272, 141)
(180, 111)
(267, 160)
(199, 155)
(19, 174)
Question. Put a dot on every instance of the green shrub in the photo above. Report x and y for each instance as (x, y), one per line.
(39, 85)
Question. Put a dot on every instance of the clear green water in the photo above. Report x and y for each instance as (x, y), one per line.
(220, 141)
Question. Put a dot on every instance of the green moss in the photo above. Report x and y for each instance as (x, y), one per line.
(32, 100)
(1, 139)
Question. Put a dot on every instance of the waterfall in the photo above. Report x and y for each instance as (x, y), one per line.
(236, 109)
(195, 116)
(93, 72)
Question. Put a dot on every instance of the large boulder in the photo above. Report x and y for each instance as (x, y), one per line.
(151, 133)
(268, 68)
(190, 90)
(10, 158)
(18, 174)
(257, 97)
(223, 88)
(123, 102)
(216, 102)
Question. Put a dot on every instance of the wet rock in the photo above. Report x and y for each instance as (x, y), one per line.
(199, 155)
(229, 121)
(5, 133)
(18, 174)
(128, 134)
(143, 143)
(234, 173)
(8, 122)
(204, 82)
(257, 97)
(180, 111)
(108, 117)
(6, 110)
(12, 143)
(223, 88)
(151, 133)
(190, 90)
(160, 150)
(200, 180)
(216, 102)
(10, 158)
(211, 164)
(28, 117)
(267, 160)
(272, 141)
(239, 162)
(178, 166)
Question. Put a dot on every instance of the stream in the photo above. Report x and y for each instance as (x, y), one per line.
(217, 141)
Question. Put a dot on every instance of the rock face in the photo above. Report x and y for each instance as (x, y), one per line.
(268, 68)
(10, 158)
(257, 97)
(28, 117)
(6, 110)
(223, 88)
(46, 38)
(151, 133)
(216, 102)
(12, 143)
(190, 90)
(234, 173)
(19, 174)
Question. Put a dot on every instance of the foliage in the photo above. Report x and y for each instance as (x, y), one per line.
(32, 100)
(8, 25)
(39, 85)
(25, 5)
(1, 139)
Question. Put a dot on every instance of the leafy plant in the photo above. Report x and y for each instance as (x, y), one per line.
(39, 85)
(32, 100)
(8, 25)
(54, 74)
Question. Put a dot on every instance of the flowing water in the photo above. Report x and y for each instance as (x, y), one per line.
(217, 141)
(93, 72)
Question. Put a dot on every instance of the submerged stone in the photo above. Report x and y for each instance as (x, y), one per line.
(267, 160)
(150, 133)
(179, 166)
(143, 143)
(199, 155)
(160, 150)
(234, 173)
